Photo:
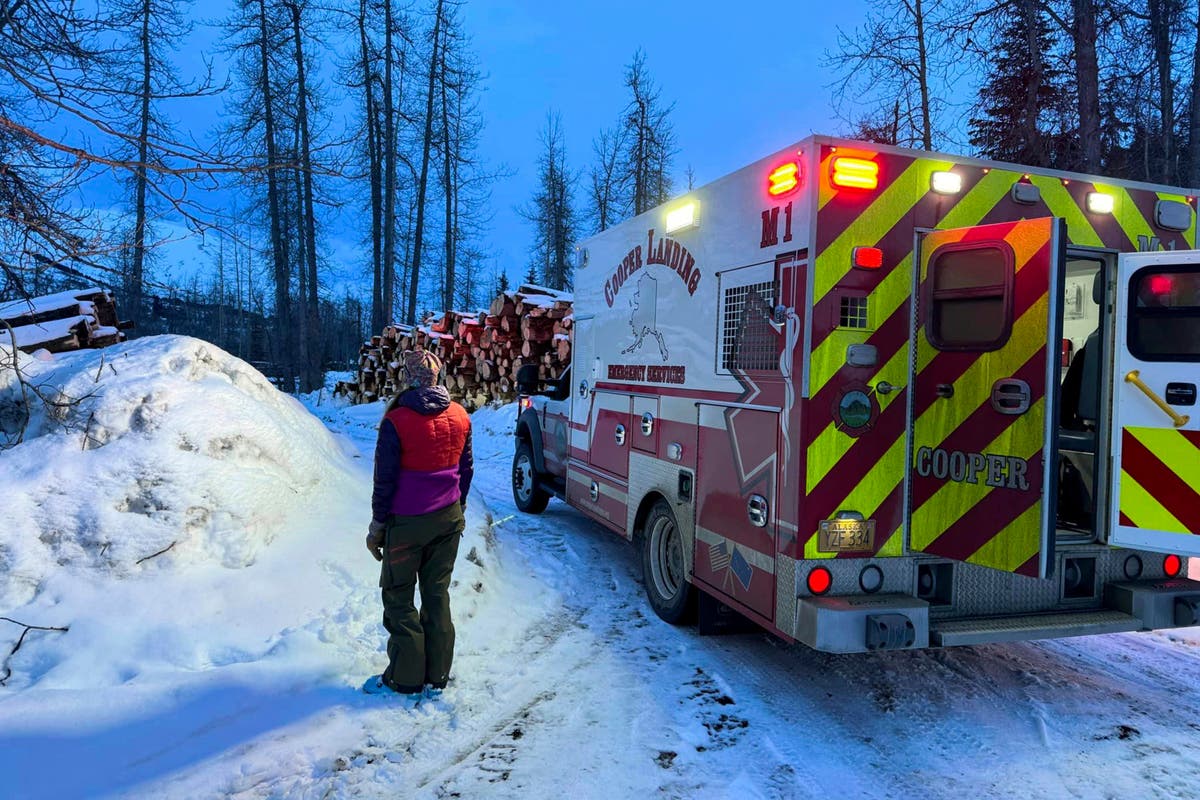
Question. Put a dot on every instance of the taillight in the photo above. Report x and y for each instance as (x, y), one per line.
(855, 173)
(1172, 565)
(819, 580)
(526, 402)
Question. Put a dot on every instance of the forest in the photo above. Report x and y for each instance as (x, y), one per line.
(368, 111)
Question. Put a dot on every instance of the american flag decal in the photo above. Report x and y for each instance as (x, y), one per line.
(718, 557)
(741, 568)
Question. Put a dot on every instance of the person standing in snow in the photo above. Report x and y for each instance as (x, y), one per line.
(423, 471)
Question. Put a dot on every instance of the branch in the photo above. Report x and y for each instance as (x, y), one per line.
(159, 553)
(20, 641)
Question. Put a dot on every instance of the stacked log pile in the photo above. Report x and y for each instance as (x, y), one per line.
(71, 320)
(481, 351)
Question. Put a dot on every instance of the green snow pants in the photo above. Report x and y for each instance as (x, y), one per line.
(419, 551)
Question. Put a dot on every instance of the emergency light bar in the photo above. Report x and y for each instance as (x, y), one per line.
(855, 173)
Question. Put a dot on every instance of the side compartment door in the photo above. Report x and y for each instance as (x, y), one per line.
(984, 400)
(1155, 489)
(736, 499)
(611, 435)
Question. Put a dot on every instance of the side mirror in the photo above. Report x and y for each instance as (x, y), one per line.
(528, 380)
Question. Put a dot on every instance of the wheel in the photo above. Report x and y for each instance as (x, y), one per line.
(529, 496)
(663, 568)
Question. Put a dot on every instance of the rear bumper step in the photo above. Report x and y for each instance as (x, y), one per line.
(1033, 626)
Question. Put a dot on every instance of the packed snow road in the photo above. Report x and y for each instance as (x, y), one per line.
(610, 702)
(240, 678)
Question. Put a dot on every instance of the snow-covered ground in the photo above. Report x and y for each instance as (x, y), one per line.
(229, 665)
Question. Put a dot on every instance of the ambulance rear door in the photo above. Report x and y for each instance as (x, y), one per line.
(1155, 477)
(984, 393)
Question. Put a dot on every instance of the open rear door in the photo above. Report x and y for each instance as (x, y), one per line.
(984, 396)
(1155, 489)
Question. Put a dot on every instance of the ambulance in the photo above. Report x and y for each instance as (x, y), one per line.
(873, 398)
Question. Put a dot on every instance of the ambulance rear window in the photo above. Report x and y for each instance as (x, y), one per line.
(970, 296)
(1164, 314)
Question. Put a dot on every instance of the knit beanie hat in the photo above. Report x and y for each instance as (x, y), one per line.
(421, 368)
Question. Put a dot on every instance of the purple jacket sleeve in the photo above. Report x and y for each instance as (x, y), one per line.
(387, 469)
(466, 469)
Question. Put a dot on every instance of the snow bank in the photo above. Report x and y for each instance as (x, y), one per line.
(165, 445)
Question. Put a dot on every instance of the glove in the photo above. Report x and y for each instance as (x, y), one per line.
(375, 539)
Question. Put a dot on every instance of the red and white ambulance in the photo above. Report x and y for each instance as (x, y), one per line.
(876, 398)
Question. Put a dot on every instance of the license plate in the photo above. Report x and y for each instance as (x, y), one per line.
(846, 536)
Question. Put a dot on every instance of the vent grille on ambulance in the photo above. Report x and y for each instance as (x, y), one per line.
(747, 339)
(853, 313)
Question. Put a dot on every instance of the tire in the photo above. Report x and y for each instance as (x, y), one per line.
(664, 571)
(529, 496)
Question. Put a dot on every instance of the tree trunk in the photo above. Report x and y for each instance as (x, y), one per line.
(1160, 35)
(309, 226)
(373, 159)
(389, 166)
(1033, 144)
(1194, 118)
(923, 78)
(279, 257)
(137, 273)
(423, 180)
(1087, 81)
(448, 146)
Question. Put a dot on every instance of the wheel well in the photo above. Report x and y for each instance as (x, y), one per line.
(639, 519)
(523, 433)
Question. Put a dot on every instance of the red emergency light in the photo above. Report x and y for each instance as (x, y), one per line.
(1172, 566)
(1161, 285)
(855, 173)
(867, 257)
(784, 179)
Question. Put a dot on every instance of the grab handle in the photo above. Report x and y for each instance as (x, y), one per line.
(1178, 419)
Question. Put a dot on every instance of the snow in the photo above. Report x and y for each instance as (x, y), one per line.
(532, 292)
(40, 332)
(50, 302)
(229, 666)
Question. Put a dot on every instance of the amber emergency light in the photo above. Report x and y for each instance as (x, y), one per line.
(784, 179)
(855, 173)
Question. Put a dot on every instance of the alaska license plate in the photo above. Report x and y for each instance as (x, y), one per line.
(846, 536)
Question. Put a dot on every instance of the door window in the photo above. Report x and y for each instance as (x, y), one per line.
(1164, 314)
(970, 296)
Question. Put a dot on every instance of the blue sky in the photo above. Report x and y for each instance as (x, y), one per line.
(745, 78)
(744, 82)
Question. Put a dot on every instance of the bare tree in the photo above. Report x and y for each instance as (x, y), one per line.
(604, 179)
(892, 80)
(649, 141)
(259, 35)
(155, 27)
(551, 211)
(426, 151)
(64, 120)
